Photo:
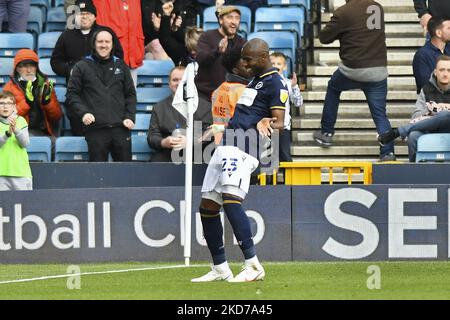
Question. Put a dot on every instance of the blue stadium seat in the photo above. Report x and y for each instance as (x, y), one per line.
(140, 150)
(6, 69)
(61, 94)
(210, 20)
(40, 149)
(142, 124)
(154, 72)
(10, 43)
(56, 19)
(58, 3)
(148, 97)
(46, 43)
(65, 129)
(71, 149)
(433, 147)
(279, 19)
(46, 68)
(43, 5)
(282, 41)
(35, 21)
(290, 3)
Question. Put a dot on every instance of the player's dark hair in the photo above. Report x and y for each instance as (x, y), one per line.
(231, 58)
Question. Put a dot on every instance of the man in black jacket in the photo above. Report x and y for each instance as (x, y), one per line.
(166, 119)
(75, 44)
(101, 92)
(430, 8)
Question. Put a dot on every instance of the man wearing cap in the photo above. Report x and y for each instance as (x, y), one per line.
(75, 44)
(212, 45)
(35, 98)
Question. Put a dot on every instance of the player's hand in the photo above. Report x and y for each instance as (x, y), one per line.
(88, 119)
(264, 127)
(223, 44)
(129, 124)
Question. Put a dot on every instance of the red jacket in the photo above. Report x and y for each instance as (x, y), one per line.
(124, 17)
(52, 111)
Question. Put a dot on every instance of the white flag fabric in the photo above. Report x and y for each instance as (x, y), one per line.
(178, 103)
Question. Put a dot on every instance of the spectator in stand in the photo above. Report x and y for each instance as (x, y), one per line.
(16, 12)
(279, 61)
(35, 98)
(15, 172)
(226, 96)
(124, 17)
(430, 8)
(424, 61)
(73, 45)
(153, 48)
(432, 114)
(170, 27)
(191, 42)
(212, 45)
(364, 66)
(166, 119)
(102, 93)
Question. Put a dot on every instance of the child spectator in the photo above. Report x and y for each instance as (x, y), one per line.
(191, 41)
(279, 61)
(15, 172)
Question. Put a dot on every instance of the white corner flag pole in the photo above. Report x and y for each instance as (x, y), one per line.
(190, 94)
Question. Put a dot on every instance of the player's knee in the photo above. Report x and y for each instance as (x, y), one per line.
(210, 205)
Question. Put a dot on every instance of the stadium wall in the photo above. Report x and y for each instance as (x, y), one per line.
(309, 223)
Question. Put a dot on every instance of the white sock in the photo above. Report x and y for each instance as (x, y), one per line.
(223, 266)
(252, 261)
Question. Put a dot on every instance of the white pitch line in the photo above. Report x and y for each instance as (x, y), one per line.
(94, 273)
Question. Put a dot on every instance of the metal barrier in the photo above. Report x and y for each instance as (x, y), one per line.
(310, 173)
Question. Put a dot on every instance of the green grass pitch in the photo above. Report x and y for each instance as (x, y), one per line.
(286, 281)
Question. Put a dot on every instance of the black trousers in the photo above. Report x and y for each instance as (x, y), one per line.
(285, 146)
(114, 140)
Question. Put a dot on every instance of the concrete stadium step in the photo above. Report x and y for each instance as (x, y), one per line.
(409, 42)
(390, 6)
(401, 29)
(397, 83)
(358, 95)
(395, 57)
(346, 123)
(329, 70)
(358, 108)
(341, 137)
(388, 17)
(343, 150)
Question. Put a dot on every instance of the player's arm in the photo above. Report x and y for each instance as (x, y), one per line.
(266, 125)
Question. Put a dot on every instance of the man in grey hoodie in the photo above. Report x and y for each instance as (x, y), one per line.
(432, 114)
